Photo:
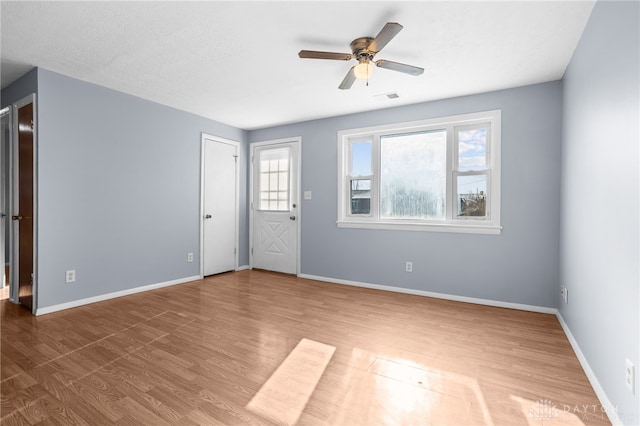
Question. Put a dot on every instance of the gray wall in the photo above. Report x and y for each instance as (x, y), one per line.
(24, 86)
(519, 266)
(600, 191)
(119, 190)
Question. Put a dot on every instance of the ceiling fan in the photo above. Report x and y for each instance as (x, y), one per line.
(364, 49)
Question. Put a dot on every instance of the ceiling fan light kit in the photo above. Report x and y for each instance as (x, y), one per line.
(363, 70)
(363, 50)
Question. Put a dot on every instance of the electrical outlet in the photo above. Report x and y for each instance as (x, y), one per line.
(71, 276)
(629, 375)
(307, 195)
(564, 292)
(189, 257)
(408, 267)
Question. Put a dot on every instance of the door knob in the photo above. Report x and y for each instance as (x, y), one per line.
(208, 216)
(17, 217)
(292, 217)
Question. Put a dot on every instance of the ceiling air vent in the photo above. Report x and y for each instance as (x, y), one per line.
(386, 96)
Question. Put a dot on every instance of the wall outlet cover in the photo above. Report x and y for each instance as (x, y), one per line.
(629, 375)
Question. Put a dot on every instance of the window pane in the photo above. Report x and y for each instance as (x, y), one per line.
(413, 175)
(361, 159)
(360, 196)
(472, 195)
(283, 182)
(472, 149)
(264, 182)
(274, 179)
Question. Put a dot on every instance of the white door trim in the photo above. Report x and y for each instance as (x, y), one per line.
(295, 140)
(206, 136)
(5, 157)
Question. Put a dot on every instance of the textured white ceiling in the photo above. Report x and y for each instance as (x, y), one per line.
(236, 62)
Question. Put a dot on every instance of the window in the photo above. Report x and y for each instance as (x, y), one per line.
(274, 179)
(438, 175)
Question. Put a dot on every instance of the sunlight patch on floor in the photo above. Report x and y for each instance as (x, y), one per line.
(397, 390)
(285, 394)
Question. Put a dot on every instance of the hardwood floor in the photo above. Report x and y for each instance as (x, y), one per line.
(199, 354)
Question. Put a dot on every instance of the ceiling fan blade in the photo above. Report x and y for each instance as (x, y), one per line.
(348, 79)
(385, 35)
(313, 54)
(397, 66)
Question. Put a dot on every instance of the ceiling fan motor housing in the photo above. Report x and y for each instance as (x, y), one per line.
(359, 48)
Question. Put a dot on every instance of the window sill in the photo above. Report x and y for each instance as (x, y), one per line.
(464, 228)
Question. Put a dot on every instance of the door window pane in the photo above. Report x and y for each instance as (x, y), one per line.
(472, 149)
(472, 195)
(413, 175)
(274, 179)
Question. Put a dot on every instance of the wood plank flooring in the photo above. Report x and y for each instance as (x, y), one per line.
(198, 353)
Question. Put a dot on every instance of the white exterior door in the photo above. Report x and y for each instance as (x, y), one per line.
(275, 206)
(220, 205)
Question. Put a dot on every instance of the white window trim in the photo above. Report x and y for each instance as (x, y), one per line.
(490, 225)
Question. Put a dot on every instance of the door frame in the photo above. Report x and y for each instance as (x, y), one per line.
(295, 140)
(5, 157)
(13, 199)
(236, 144)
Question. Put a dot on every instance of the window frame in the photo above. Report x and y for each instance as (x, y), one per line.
(489, 224)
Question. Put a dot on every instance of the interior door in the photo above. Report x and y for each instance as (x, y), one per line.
(23, 209)
(220, 206)
(275, 207)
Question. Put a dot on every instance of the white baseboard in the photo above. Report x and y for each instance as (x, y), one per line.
(102, 297)
(593, 380)
(243, 268)
(487, 302)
